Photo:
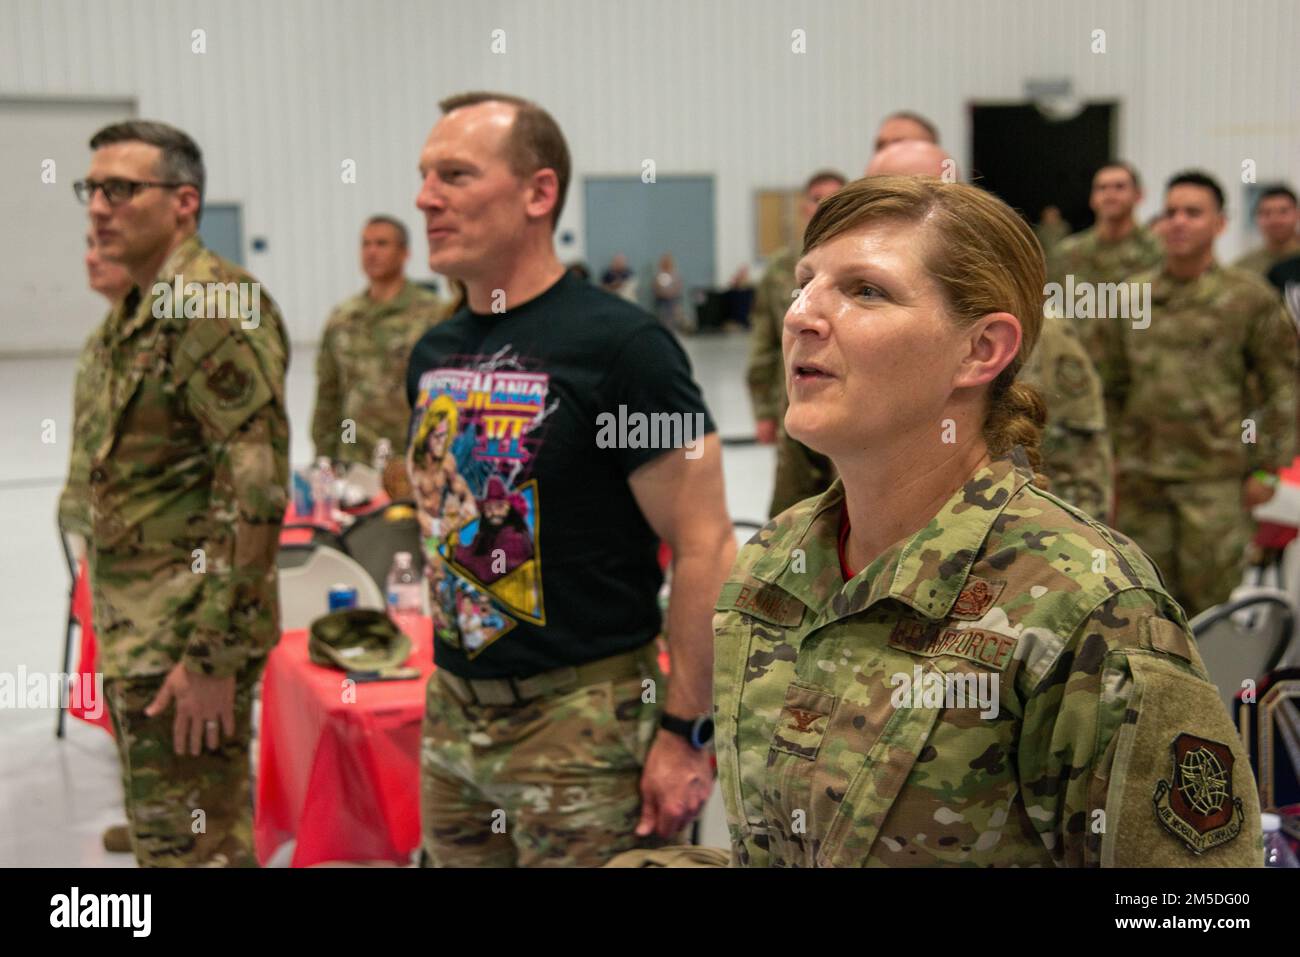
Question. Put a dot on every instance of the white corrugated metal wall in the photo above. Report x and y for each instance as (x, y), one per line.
(288, 90)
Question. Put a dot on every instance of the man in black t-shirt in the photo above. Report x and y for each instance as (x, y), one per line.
(556, 437)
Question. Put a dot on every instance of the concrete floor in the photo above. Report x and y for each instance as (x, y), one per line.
(56, 797)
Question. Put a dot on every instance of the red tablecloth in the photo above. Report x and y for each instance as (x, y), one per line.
(302, 536)
(342, 778)
(84, 705)
(1269, 535)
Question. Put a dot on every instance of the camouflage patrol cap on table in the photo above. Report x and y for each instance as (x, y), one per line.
(360, 640)
(678, 856)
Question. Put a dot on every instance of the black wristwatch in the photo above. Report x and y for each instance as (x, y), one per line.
(697, 731)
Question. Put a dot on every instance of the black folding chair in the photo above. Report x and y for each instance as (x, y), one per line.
(1232, 651)
(374, 538)
(295, 554)
(70, 623)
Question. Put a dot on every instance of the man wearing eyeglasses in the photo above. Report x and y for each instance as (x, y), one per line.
(188, 489)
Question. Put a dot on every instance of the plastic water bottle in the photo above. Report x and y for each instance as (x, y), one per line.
(322, 492)
(405, 593)
(383, 452)
(1277, 852)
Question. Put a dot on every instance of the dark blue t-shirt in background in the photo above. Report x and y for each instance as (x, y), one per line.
(523, 434)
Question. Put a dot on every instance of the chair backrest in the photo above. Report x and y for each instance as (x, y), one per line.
(374, 538)
(297, 553)
(744, 529)
(74, 550)
(304, 589)
(1244, 638)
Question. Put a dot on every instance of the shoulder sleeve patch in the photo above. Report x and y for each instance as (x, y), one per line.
(227, 388)
(1180, 790)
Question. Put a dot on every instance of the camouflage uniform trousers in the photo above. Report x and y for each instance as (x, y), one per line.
(164, 790)
(553, 782)
(800, 473)
(1196, 533)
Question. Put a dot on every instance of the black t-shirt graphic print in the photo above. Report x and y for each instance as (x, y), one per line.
(538, 555)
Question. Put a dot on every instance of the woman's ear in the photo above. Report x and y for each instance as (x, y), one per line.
(993, 343)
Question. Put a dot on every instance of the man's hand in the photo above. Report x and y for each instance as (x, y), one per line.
(205, 708)
(675, 783)
(765, 429)
(1255, 492)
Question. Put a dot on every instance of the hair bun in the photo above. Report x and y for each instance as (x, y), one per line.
(1016, 417)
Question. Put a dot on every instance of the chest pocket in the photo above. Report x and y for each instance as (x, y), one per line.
(834, 769)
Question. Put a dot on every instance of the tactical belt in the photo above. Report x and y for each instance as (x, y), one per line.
(510, 691)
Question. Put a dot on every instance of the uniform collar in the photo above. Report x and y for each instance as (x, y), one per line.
(925, 572)
(173, 266)
(1166, 285)
(396, 304)
(1135, 235)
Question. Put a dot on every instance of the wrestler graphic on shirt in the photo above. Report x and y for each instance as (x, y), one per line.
(502, 542)
(477, 619)
(446, 503)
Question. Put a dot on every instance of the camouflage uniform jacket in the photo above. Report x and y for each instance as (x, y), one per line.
(194, 456)
(766, 371)
(1077, 454)
(361, 371)
(1261, 259)
(826, 758)
(1090, 259)
(92, 371)
(1220, 350)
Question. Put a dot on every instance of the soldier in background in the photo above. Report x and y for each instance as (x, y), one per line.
(188, 491)
(1110, 249)
(1206, 400)
(1276, 217)
(361, 366)
(112, 282)
(800, 472)
(1051, 229)
(905, 125)
(1077, 453)
(1076, 446)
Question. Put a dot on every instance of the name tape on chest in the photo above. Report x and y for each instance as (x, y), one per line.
(762, 600)
(974, 644)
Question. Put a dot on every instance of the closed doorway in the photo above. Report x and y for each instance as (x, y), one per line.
(645, 220)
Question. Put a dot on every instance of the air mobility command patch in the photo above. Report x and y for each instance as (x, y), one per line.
(1071, 375)
(230, 384)
(1198, 808)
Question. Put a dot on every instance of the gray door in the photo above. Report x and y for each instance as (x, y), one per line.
(222, 231)
(645, 220)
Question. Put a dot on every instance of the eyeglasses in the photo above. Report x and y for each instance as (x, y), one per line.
(116, 191)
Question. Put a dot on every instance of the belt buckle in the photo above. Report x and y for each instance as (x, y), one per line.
(496, 700)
